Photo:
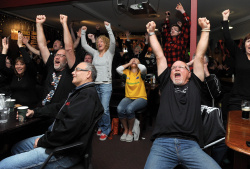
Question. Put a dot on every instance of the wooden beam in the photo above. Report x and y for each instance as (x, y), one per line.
(22, 3)
(193, 29)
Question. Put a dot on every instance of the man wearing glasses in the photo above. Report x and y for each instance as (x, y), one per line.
(177, 134)
(176, 37)
(58, 82)
(72, 124)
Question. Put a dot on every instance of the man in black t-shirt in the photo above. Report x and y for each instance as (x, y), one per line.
(58, 83)
(178, 130)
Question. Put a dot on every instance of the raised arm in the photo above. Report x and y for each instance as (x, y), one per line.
(122, 67)
(84, 41)
(68, 42)
(4, 69)
(142, 67)
(93, 41)
(31, 48)
(77, 40)
(41, 40)
(185, 27)
(154, 43)
(201, 48)
(111, 37)
(229, 42)
(145, 49)
(5, 46)
(166, 25)
(128, 43)
(72, 31)
(30, 66)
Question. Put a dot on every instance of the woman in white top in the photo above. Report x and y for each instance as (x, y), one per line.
(102, 60)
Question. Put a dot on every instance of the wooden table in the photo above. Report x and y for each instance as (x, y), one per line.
(238, 132)
(14, 124)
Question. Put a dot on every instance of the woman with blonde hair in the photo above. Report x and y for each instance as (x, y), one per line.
(102, 60)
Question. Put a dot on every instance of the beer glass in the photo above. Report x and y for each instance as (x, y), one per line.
(245, 107)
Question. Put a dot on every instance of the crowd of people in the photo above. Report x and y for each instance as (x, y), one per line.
(76, 82)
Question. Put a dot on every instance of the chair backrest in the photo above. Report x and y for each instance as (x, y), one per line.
(213, 128)
(91, 133)
(86, 159)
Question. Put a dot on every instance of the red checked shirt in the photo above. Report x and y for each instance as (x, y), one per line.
(175, 47)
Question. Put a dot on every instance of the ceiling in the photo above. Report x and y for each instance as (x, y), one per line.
(92, 12)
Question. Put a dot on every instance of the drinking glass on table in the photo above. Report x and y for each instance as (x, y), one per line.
(245, 107)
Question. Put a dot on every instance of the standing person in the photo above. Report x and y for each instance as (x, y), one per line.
(56, 46)
(137, 52)
(241, 63)
(102, 60)
(72, 124)
(135, 96)
(23, 83)
(175, 37)
(178, 130)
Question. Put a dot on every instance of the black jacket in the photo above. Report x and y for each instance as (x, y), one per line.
(74, 119)
(211, 90)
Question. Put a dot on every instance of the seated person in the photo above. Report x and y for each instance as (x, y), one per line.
(135, 96)
(72, 124)
(58, 82)
(23, 76)
(177, 134)
(88, 58)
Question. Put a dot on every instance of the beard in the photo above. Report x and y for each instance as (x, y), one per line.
(61, 66)
(178, 82)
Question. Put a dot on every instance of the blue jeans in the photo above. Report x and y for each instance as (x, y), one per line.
(25, 156)
(127, 107)
(169, 152)
(104, 92)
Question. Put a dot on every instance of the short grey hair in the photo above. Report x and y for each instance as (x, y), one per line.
(206, 58)
(89, 55)
(91, 68)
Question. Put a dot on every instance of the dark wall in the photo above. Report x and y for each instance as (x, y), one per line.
(8, 22)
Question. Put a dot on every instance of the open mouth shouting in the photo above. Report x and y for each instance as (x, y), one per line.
(177, 75)
(57, 62)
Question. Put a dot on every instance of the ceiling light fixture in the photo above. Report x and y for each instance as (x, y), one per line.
(136, 9)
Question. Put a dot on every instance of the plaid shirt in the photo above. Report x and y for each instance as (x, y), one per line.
(175, 47)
